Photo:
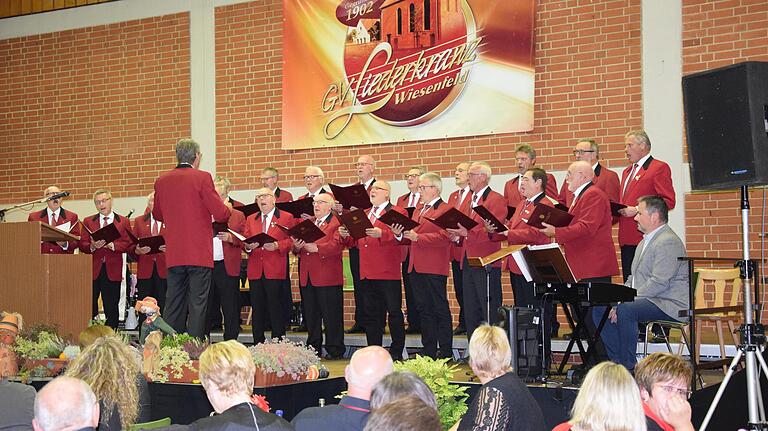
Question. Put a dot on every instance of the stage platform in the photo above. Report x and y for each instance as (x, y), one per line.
(709, 349)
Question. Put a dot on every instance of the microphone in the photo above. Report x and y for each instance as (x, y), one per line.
(58, 196)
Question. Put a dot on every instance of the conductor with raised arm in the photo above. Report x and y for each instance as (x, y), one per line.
(186, 201)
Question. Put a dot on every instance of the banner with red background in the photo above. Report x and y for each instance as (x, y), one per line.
(373, 71)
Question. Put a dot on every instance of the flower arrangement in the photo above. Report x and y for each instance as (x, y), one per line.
(437, 374)
(176, 358)
(284, 358)
(43, 352)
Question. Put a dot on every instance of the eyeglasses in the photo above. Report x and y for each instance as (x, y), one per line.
(422, 188)
(410, 176)
(102, 201)
(680, 391)
(379, 188)
(311, 177)
(318, 202)
(268, 178)
(581, 152)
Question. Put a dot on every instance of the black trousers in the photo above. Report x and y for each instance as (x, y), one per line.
(482, 296)
(287, 296)
(354, 267)
(186, 301)
(153, 286)
(267, 294)
(225, 290)
(324, 306)
(627, 254)
(382, 298)
(110, 297)
(436, 329)
(458, 289)
(412, 309)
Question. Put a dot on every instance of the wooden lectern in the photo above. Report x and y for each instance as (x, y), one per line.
(44, 288)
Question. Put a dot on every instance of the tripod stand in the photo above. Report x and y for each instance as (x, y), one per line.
(752, 338)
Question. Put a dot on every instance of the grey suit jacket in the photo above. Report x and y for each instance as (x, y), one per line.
(657, 274)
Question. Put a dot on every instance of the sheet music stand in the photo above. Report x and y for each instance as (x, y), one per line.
(486, 262)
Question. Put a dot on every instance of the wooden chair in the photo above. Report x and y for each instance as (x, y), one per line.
(724, 309)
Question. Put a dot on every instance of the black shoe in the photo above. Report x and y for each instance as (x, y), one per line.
(412, 330)
(355, 329)
(301, 328)
(459, 330)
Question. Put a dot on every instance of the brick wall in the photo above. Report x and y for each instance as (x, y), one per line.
(587, 85)
(716, 34)
(93, 107)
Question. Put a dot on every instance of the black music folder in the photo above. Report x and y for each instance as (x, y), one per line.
(392, 217)
(487, 215)
(551, 215)
(356, 223)
(306, 231)
(352, 196)
(452, 218)
(298, 207)
(108, 233)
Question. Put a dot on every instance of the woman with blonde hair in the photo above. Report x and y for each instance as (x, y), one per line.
(503, 403)
(226, 373)
(111, 369)
(608, 400)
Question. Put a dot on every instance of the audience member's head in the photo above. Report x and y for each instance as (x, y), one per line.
(64, 404)
(406, 414)
(489, 353)
(663, 378)
(366, 368)
(110, 367)
(93, 333)
(608, 400)
(398, 385)
(226, 373)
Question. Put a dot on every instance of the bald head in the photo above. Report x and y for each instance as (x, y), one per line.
(579, 173)
(365, 166)
(367, 367)
(380, 192)
(66, 403)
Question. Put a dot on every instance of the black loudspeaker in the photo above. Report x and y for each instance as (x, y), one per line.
(525, 335)
(726, 112)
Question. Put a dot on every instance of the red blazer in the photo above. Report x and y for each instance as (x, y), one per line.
(587, 241)
(379, 257)
(512, 193)
(431, 253)
(142, 227)
(324, 268)
(654, 177)
(282, 195)
(233, 250)
(520, 232)
(64, 216)
(271, 264)
(457, 251)
(113, 259)
(605, 179)
(185, 200)
(402, 202)
(479, 242)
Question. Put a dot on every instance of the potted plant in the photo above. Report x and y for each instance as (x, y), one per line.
(281, 361)
(174, 359)
(437, 374)
(43, 352)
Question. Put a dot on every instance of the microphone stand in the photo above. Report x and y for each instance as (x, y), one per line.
(11, 208)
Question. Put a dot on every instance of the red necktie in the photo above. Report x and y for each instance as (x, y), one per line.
(629, 178)
(264, 223)
(423, 210)
(54, 219)
(155, 229)
(104, 221)
(372, 215)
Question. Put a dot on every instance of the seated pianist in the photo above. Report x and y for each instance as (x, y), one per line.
(661, 281)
